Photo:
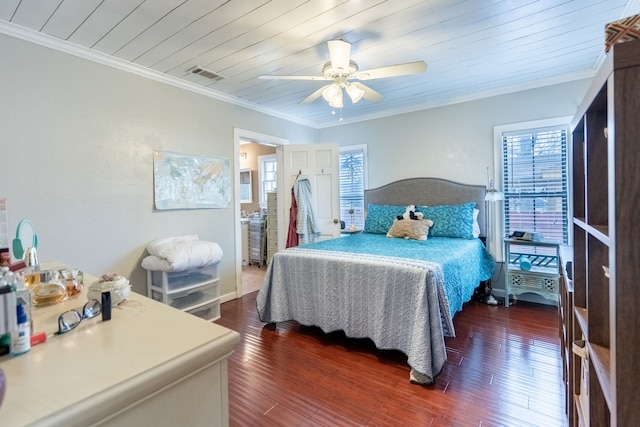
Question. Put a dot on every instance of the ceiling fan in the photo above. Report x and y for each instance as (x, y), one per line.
(341, 69)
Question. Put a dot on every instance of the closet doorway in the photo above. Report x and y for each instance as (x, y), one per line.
(250, 148)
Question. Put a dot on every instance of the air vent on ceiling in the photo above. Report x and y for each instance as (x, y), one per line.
(206, 73)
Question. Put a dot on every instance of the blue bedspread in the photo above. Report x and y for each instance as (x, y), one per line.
(465, 262)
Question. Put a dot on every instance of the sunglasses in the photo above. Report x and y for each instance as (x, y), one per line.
(72, 318)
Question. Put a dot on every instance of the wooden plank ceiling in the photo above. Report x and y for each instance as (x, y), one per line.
(473, 48)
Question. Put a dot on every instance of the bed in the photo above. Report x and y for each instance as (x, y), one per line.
(400, 293)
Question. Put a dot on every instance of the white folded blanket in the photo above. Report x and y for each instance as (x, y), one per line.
(181, 253)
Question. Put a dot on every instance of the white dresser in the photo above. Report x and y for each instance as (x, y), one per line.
(148, 365)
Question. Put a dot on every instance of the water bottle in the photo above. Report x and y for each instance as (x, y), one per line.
(525, 263)
(21, 337)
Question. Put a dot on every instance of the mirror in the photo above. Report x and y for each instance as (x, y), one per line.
(246, 190)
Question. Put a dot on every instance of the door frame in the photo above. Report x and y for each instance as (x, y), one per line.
(259, 138)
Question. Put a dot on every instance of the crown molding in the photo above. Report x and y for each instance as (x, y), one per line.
(41, 39)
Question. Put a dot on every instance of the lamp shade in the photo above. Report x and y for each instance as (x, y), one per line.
(493, 195)
(330, 92)
(355, 93)
(336, 102)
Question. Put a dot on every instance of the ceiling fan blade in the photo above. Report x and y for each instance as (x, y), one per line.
(369, 94)
(271, 77)
(315, 95)
(339, 53)
(392, 71)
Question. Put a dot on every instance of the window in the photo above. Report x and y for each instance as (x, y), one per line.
(246, 190)
(534, 181)
(268, 174)
(353, 175)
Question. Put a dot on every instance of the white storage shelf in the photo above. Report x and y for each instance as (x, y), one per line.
(195, 291)
(256, 233)
(543, 275)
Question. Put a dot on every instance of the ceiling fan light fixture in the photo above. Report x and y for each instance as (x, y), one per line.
(341, 69)
(336, 102)
(330, 92)
(355, 93)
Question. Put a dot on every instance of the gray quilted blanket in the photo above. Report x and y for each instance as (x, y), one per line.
(397, 303)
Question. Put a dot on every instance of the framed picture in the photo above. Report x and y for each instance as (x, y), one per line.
(186, 181)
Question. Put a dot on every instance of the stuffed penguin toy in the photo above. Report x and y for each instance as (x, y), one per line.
(410, 213)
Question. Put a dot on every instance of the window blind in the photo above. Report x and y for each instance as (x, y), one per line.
(535, 182)
(352, 187)
(268, 176)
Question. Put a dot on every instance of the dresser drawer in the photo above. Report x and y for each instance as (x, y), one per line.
(191, 298)
(183, 280)
(272, 234)
(209, 311)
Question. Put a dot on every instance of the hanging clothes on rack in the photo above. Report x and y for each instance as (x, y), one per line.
(306, 222)
(292, 235)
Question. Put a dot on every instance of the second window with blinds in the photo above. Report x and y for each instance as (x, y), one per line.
(353, 181)
(533, 172)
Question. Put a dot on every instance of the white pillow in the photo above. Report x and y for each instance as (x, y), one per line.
(476, 226)
(157, 246)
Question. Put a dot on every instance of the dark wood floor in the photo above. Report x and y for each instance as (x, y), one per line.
(503, 369)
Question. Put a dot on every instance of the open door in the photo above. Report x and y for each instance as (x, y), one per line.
(319, 162)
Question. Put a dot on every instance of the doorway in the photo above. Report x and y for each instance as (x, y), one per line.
(261, 143)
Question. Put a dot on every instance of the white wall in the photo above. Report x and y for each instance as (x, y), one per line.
(453, 142)
(76, 145)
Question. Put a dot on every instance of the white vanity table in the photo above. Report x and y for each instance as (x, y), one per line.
(149, 365)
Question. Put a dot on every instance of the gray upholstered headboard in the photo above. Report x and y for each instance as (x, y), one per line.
(429, 192)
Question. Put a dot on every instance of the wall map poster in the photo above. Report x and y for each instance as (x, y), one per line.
(185, 181)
